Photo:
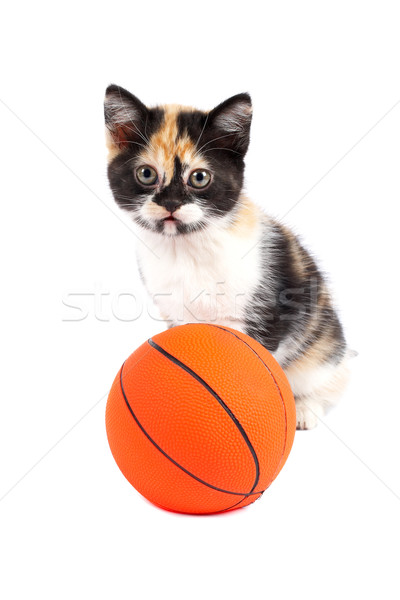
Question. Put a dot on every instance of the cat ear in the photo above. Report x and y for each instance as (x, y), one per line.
(125, 118)
(231, 120)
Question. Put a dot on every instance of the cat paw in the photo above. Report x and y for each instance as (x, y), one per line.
(307, 414)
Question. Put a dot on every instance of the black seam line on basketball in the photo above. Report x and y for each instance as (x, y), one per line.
(276, 384)
(169, 457)
(228, 508)
(236, 505)
(219, 400)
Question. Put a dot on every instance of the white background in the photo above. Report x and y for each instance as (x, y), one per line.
(326, 130)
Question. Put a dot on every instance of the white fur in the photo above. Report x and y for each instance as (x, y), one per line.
(201, 276)
(318, 388)
(305, 381)
(188, 213)
(287, 348)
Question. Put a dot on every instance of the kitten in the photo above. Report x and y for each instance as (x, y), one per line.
(210, 254)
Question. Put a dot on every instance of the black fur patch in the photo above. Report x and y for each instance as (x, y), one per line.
(175, 194)
(295, 301)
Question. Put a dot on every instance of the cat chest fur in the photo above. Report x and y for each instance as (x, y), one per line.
(204, 277)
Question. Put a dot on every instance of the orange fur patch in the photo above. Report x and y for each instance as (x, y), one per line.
(246, 219)
(112, 147)
(165, 144)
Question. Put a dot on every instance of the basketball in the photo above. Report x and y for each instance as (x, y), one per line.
(200, 419)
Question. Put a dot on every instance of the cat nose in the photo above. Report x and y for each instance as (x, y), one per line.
(169, 204)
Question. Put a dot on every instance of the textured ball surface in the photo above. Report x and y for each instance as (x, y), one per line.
(200, 419)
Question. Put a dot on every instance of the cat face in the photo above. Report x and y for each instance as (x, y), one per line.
(176, 169)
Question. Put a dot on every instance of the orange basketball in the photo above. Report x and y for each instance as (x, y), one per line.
(200, 419)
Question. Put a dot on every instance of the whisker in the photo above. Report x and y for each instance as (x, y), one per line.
(214, 140)
(202, 131)
(227, 149)
(137, 143)
(145, 131)
(130, 158)
(139, 133)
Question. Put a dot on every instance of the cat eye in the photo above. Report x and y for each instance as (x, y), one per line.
(200, 178)
(146, 175)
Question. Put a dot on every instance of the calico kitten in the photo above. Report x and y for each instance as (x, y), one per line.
(210, 254)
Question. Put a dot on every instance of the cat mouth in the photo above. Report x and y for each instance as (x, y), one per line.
(170, 219)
